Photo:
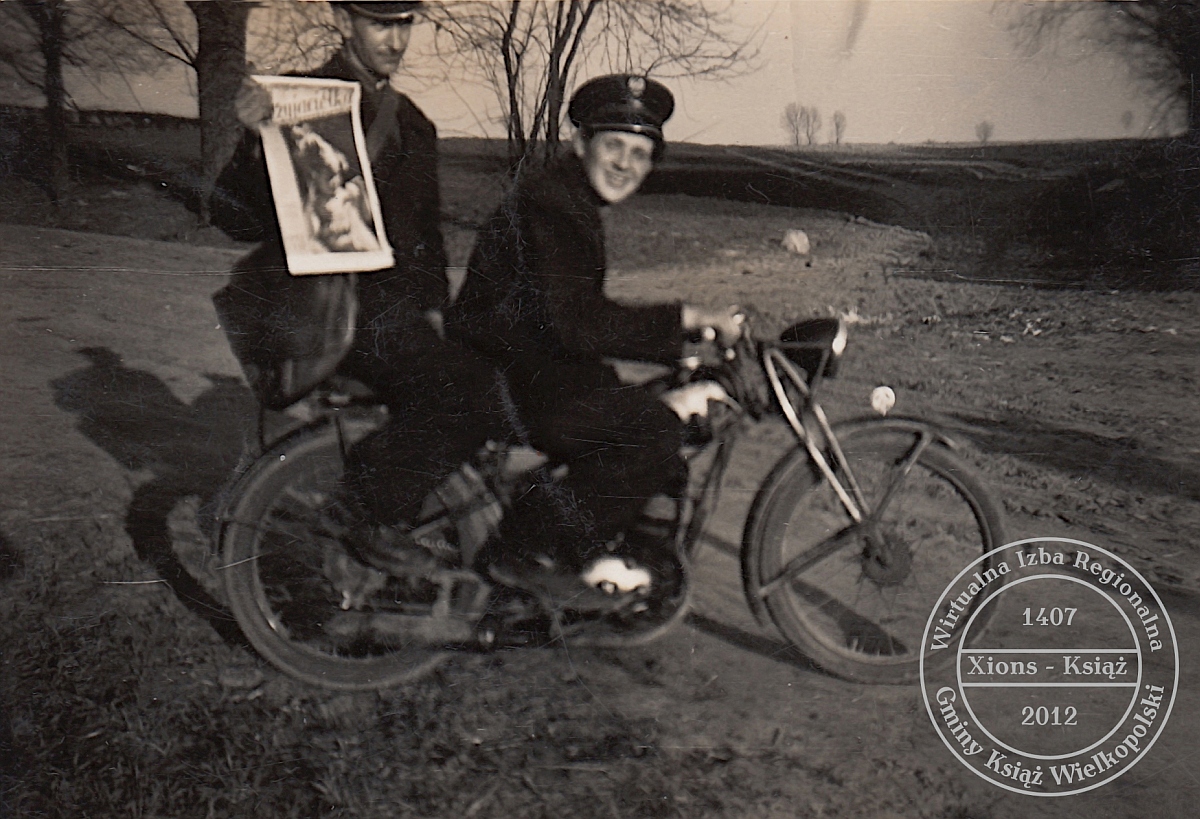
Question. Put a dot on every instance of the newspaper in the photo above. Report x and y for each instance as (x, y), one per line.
(325, 198)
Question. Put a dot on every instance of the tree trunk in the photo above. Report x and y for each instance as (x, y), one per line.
(555, 92)
(49, 17)
(1188, 51)
(220, 68)
(56, 100)
(562, 58)
(513, 59)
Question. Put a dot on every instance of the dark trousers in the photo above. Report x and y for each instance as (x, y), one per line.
(620, 444)
(443, 405)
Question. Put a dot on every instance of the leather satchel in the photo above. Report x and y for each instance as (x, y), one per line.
(290, 333)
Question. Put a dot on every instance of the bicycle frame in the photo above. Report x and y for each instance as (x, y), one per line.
(804, 418)
(705, 496)
(778, 368)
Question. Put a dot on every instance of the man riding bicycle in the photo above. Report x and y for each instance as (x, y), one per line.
(533, 303)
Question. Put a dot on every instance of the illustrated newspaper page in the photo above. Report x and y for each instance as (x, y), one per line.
(321, 177)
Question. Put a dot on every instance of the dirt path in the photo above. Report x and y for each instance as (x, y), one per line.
(118, 379)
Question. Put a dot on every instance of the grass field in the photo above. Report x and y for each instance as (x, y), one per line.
(1109, 214)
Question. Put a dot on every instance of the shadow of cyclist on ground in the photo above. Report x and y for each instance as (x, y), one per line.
(191, 450)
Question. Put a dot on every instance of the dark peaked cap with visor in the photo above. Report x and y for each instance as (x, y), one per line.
(622, 102)
(382, 10)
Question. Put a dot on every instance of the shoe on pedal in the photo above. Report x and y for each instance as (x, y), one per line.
(561, 589)
(390, 549)
(617, 575)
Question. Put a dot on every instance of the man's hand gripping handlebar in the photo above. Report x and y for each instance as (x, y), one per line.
(720, 331)
(724, 325)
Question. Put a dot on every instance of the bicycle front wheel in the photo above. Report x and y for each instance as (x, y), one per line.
(855, 598)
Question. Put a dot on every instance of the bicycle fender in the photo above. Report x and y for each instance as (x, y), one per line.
(901, 423)
(353, 429)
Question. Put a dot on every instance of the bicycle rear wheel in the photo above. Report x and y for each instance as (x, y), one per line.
(855, 598)
(286, 574)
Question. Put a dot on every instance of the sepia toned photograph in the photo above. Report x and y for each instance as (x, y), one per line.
(543, 408)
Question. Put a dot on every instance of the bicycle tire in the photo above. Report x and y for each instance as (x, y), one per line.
(281, 600)
(942, 517)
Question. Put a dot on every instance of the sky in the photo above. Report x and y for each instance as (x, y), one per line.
(904, 71)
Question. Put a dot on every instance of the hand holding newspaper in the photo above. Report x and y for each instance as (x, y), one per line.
(320, 172)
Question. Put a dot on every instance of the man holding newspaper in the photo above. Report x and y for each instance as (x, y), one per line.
(396, 351)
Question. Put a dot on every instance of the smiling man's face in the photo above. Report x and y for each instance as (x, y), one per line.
(617, 162)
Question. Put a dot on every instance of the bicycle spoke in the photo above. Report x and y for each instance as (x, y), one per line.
(288, 575)
(854, 627)
(805, 561)
(294, 530)
(304, 508)
(899, 474)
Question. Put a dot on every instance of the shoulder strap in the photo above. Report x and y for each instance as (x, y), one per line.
(384, 124)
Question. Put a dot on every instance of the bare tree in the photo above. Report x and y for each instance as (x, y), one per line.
(211, 38)
(34, 54)
(286, 36)
(42, 38)
(220, 67)
(984, 131)
(839, 127)
(810, 123)
(163, 28)
(791, 124)
(1159, 38)
(207, 36)
(530, 52)
(802, 122)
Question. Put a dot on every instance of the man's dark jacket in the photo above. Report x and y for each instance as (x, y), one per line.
(533, 302)
(534, 291)
(391, 302)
